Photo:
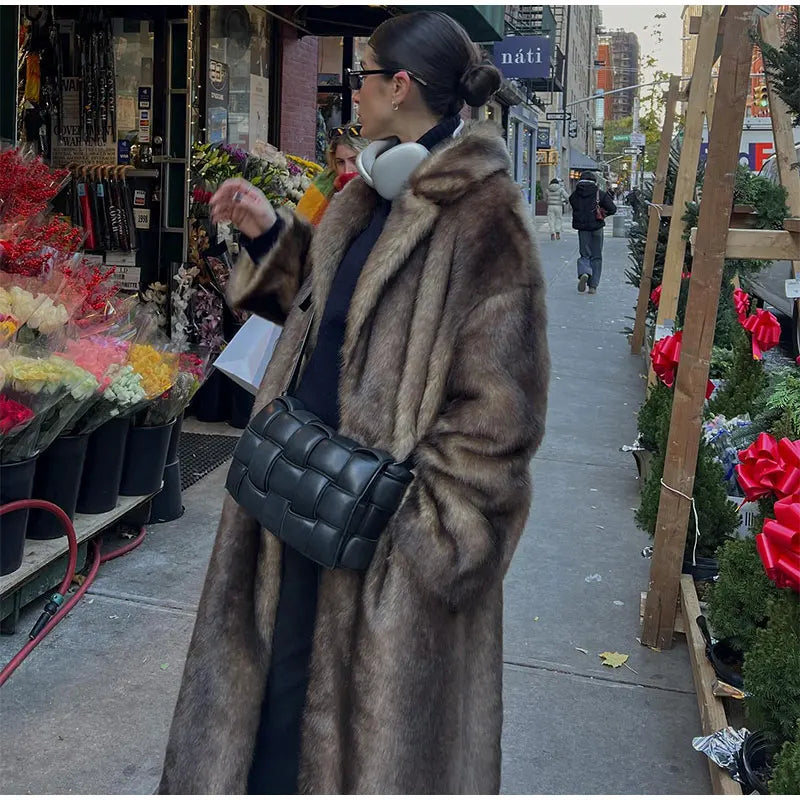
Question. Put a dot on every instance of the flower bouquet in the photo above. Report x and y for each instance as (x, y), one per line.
(27, 185)
(283, 178)
(34, 383)
(120, 388)
(193, 368)
(79, 390)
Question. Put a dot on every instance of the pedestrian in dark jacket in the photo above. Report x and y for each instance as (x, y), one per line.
(590, 205)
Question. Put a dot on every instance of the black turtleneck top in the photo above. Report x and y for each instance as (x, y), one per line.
(319, 386)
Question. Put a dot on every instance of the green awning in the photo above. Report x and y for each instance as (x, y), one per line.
(482, 23)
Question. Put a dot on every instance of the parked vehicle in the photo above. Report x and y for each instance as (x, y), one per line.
(769, 286)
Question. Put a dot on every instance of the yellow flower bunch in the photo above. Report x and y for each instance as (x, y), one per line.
(309, 166)
(157, 368)
(34, 375)
(8, 327)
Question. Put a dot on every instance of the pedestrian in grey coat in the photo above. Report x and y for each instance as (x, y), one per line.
(556, 197)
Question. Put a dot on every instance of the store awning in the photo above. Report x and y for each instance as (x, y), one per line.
(483, 23)
(578, 160)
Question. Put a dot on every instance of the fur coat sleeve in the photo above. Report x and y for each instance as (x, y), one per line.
(456, 526)
(269, 287)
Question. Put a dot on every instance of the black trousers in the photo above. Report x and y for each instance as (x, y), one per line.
(276, 757)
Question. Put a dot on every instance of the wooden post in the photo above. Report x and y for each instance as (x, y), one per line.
(712, 93)
(654, 218)
(698, 332)
(785, 152)
(687, 172)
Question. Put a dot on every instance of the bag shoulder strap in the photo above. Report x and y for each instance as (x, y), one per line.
(298, 359)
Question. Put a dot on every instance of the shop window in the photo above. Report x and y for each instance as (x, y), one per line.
(330, 62)
(133, 67)
(237, 92)
(335, 105)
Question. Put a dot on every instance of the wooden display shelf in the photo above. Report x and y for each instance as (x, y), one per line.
(712, 709)
(759, 244)
(45, 561)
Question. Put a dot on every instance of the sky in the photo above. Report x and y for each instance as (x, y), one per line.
(642, 21)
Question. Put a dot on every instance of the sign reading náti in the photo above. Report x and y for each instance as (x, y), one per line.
(523, 56)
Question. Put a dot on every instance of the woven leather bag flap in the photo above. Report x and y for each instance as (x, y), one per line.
(324, 494)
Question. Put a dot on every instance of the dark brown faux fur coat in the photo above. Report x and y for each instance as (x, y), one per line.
(445, 357)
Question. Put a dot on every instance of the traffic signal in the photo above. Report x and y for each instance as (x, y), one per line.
(761, 97)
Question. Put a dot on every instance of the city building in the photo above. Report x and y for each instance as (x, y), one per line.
(568, 144)
(622, 56)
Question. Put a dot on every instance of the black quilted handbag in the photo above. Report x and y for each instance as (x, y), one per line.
(324, 494)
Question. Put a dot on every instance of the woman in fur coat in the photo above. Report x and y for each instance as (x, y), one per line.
(427, 340)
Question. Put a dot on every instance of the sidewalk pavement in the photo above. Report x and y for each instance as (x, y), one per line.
(89, 711)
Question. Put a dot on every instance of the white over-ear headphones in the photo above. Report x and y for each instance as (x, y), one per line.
(386, 165)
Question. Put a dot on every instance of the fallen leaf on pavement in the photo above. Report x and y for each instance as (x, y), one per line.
(613, 659)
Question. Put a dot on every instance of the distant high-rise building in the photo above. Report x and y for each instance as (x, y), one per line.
(618, 51)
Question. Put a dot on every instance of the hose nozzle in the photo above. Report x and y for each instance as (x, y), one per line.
(50, 609)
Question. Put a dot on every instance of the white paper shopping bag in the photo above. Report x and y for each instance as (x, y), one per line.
(245, 358)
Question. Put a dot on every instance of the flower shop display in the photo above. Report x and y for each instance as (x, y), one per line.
(149, 438)
(102, 469)
(192, 370)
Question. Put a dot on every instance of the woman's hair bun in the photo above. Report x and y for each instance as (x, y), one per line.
(479, 82)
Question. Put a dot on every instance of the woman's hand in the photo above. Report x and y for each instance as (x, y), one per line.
(244, 205)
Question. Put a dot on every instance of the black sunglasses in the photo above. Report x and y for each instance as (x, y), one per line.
(353, 130)
(356, 76)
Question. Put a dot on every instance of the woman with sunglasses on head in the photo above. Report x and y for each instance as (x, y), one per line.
(427, 340)
(344, 145)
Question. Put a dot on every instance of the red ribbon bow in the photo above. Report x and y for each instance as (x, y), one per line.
(759, 467)
(741, 302)
(765, 331)
(770, 467)
(655, 296)
(779, 545)
(665, 356)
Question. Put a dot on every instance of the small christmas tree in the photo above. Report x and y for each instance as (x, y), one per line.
(738, 602)
(718, 517)
(745, 382)
(656, 408)
(772, 669)
(786, 767)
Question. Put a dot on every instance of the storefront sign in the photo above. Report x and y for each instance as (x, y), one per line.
(217, 98)
(145, 103)
(523, 56)
(68, 147)
(543, 138)
(547, 157)
(141, 219)
(259, 110)
(127, 278)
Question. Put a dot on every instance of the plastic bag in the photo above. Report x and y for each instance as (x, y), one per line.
(722, 748)
(245, 358)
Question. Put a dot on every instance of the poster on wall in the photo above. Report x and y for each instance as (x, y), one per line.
(69, 148)
(217, 98)
(259, 110)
